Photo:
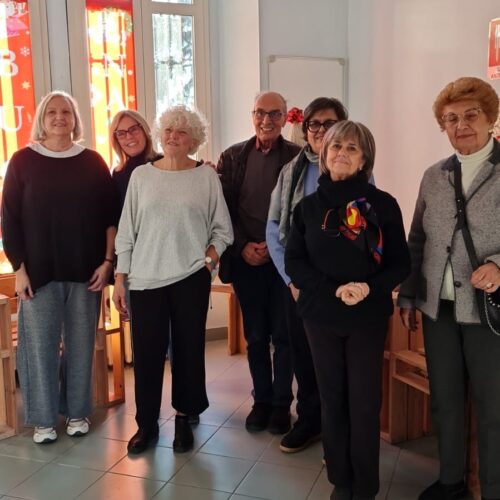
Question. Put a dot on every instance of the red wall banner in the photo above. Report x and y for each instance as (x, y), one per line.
(494, 50)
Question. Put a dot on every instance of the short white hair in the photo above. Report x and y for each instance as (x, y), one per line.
(192, 119)
(271, 92)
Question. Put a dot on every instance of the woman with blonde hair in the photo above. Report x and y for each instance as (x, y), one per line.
(59, 221)
(132, 142)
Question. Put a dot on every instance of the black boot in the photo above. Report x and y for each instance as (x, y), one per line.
(183, 440)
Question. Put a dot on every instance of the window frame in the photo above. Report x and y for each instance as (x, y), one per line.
(142, 13)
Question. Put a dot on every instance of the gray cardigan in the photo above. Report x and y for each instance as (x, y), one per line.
(433, 238)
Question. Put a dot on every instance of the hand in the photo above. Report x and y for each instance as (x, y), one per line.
(294, 291)
(486, 277)
(409, 318)
(100, 278)
(352, 293)
(209, 164)
(255, 254)
(211, 252)
(23, 284)
(119, 296)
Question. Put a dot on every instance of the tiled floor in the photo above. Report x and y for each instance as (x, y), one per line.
(228, 462)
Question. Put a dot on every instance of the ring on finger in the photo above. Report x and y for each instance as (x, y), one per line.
(489, 285)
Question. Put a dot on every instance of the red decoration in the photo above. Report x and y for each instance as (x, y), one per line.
(295, 116)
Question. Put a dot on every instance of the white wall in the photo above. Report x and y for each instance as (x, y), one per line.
(316, 28)
(235, 59)
(401, 54)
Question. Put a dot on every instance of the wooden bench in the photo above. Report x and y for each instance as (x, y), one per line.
(8, 412)
(236, 342)
(109, 355)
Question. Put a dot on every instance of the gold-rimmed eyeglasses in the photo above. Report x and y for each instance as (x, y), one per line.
(468, 116)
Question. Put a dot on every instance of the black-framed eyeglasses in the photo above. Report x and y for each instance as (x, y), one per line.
(133, 130)
(315, 125)
(274, 115)
(468, 116)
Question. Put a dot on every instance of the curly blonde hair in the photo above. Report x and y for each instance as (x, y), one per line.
(181, 114)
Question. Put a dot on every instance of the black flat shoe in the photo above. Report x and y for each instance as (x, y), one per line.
(340, 493)
(440, 491)
(141, 440)
(184, 439)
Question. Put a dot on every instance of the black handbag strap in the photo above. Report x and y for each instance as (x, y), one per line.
(462, 216)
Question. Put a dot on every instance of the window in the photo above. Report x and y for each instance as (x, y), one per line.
(141, 54)
(111, 65)
(20, 46)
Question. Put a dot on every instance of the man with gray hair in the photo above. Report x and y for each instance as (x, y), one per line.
(248, 172)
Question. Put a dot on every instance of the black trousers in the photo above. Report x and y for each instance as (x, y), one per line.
(348, 364)
(184, 305)
(260, 291)
(456, 355)
(308, 400)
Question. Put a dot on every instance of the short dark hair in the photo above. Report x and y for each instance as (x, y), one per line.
(319, 104)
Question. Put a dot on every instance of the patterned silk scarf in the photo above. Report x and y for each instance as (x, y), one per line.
(358, 223)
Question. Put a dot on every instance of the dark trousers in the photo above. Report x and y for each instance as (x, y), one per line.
(457, 354)
(308, 400)
(348, 364)
(184, 305)
(260, 291)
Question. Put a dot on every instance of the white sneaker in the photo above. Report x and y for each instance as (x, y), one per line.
(77, 426)
(44, 435)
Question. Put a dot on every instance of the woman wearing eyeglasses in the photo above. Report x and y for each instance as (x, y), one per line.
(346, 251)
(442, 285)
(131, 140)
(297, 179)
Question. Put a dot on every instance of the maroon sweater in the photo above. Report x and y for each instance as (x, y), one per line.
(55, 212)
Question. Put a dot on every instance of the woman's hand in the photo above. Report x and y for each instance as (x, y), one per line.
(486, 277)
(119, 295)
(211, 252)
(409, 318)
(352, 293)
(294, 291)
(208, 163)
(23, 284)
(100, 278)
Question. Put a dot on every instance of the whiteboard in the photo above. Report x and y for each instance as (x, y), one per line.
(302, 79)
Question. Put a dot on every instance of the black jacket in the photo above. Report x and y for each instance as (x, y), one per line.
(231, 168)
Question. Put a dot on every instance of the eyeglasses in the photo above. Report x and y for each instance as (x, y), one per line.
(133, 130)
(314, 125)
(274, 115)
(468, 116)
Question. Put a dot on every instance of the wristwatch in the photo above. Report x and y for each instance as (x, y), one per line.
(210, 261)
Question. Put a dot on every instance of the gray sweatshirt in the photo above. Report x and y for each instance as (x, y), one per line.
(168, 221)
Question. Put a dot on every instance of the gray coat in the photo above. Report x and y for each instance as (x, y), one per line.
(433, 238)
